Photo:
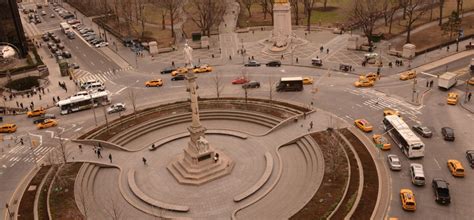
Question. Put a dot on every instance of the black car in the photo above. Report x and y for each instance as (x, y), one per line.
(45, 37)
(251, 84)
(448, 133)
(74, 65)
(39, 120)
(274, 63)
(178, 77)
(71, 35)
(54, 48)
(441, 191)
(67, 54)
(50, 44)
(61, 46)
(56, 39)
(423, 131)
(252, 63)
(168, 70)
(470, 157)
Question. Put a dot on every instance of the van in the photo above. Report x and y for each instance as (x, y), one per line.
(96, 87)
(8, 128)
(88, 82)
(417, 174)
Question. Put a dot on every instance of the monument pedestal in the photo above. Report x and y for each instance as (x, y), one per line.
(196, 169)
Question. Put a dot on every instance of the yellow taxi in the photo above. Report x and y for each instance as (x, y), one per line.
(408, 200)
(8, 128)
(389, 111)
(369, 76)
(363, 125)
(202, 69)
(364, 82)
(308, 80)
(180, 70)
(471, 81)
(154, 83)
(47, 124)
(452, 98)
(411, 74)
(381, 141)
(36, 112)
(456, 168)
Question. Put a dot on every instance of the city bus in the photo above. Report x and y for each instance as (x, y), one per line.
(83, 101)
(410, 144)
(65, 27)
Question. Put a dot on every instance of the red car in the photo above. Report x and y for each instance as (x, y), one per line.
(240, 80)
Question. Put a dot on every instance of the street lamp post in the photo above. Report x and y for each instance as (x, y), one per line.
(93, 109)
(414, 91)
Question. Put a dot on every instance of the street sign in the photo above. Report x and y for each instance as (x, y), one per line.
(379, 146)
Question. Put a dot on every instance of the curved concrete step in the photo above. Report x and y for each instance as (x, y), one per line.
(263, 179)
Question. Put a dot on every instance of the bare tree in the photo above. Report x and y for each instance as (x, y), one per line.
(294, 4)
(61, 148)
(114, 210)
(132, 97)
(308, 7)
(126, 9)
(366, 13)
(453, 24)
(390, 8)
(441, 7)
(247, 4)
(415, 10)
(219, 85)
(172, 7)
(264, 5)
(140, 15)
(208, 13)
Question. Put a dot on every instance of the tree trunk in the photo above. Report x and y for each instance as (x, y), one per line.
(309, 20)
(171, 10)
(249, 6)
(408, 33)
(325, 4)
(297, 17)
(163, 25)
(390, 25)
(441, 6)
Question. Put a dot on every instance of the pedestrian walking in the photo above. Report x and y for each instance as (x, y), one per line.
(311, 125)
(428, 83)
(153, 146)
(110, 158)
(99, 154)
(32, 104)
(57, 98)
(431, 83)
(21, 105)
(321, 49)
(253, 58)
(80, 147)
(39, 96)
(469, 97)
(172, 63)
(144, 161)
(447, 48)
(230, 57)
(327, 50)
(296, 59)
(281, 57)
(304, 115)
(21, 141)
(17, 104)
(54, 99)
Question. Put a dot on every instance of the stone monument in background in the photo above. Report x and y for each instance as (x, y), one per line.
(282, 32)
(200, 162)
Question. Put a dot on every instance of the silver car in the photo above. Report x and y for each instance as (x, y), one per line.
(118, 107)
(394, 162)
(417, 174)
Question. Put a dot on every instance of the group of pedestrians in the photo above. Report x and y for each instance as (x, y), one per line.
(98, 152)
(429, 83)
(63, 85)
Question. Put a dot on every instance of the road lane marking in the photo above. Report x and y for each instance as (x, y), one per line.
(78, 129)
(51, 132)
(118, 92)
(436, 161)
(428, 74)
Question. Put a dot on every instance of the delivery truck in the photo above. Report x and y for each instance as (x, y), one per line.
(447, 80)
(290, 84)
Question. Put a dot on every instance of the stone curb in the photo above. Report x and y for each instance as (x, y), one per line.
(383, 192)
(261, 181)
(348, 179)
(361, 176)
(23, 184)
(38, 192)
(466, 108)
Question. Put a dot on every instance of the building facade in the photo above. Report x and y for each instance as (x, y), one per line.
(11, 29)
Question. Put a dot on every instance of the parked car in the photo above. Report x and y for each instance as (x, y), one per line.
(448, 133)
(423, 131)
(61, 46)
(117, 107)
(251, 84)
(45, 37)
(394, 162)
(252, 63)
(178, 77)
(240, 80)
(441, 191)
(417, 174)
(52, 16)
(67, 54)
(74, 65)
(71, 35)
(275, 63)
(101, 44)
(470, 157)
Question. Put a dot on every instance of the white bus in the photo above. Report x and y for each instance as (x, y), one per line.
(81, 102)
(403, 136)
(65, 27)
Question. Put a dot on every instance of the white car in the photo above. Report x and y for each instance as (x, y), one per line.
(394, 162)
(417, 174)
(117, 107)
(103, 44)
